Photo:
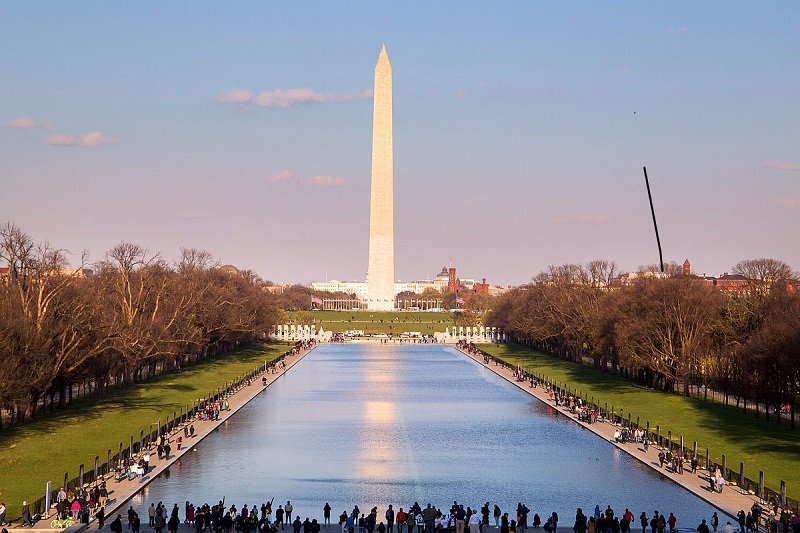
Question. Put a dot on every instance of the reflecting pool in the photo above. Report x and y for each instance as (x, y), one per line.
(369, 424)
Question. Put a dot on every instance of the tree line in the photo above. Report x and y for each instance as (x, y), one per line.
(674, 332)
(128, 316)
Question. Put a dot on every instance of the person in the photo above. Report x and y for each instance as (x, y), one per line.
(297, 525)
(580, 522)
(3, 512)
(401, 520)
(720, 483)
(389, 519)
(288, 511)
(410, 521)
(103, 494)
(728, 528)
(474, 523)
(554, 519)
(151, 514)
(160, 521)
(116, 524)
(497, 514)
(26, 515)
(135, 523)
(715, 521)
(703, 527)
(174, 522)
(644, 521)
(279, 516)
(504, 523)
(75, 508)
(742, 519)
(672, 521)
(101, 518)
(460, 515)
(429, 515)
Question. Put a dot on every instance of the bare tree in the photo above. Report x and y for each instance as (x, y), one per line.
(765, 273)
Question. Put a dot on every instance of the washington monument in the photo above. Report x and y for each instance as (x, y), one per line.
(380, 273)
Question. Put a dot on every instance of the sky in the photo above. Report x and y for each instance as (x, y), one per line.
(520, 132)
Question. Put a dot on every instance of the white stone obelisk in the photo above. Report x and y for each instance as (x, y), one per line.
(380, 274)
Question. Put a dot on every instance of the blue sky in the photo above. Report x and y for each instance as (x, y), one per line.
(520, 132)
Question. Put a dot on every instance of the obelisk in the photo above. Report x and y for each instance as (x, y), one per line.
(380, 273)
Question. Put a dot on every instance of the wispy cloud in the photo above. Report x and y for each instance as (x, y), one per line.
(28, 123)
(288, 98)
(625, 70)
(461, 93)
(281, 176)
(780, 165)
(95, 138)
(326, 181)
(194, 215)
(580, 219)
(320, 180)
(788, 203)
(679, 29)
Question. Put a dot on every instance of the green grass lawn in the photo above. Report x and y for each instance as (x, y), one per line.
(35, 453)
(759, 444)
(372, 322)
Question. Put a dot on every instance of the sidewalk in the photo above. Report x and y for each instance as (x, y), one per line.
(730, 501)
(120, 493)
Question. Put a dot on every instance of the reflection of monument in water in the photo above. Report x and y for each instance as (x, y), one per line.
(380, 272)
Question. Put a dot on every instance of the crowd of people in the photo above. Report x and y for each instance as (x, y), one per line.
(222, 518)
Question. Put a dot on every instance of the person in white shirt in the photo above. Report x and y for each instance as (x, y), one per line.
(729, 528)
(475, 523)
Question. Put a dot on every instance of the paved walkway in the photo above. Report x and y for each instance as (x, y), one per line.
(730, 501)
(120, 493)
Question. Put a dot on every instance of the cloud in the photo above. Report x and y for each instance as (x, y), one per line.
(461, 93)
(780, 165)
(194, 215)
(95, 138)
(326, 181)
(28, 123)
(288, 98)
(580, 219)
(788, 203)
(281, 176)
(680, 29)
(625, 70)
(322, 180)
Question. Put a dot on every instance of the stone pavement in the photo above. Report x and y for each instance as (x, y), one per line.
(121, 492)
(730, 501)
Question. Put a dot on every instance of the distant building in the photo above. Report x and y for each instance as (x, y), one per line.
(444, 280)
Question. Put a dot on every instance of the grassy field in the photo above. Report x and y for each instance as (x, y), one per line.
(35, 453)
(372, 322)
(759, 444)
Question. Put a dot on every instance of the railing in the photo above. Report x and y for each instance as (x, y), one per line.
(656, 436)
(100, 471)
